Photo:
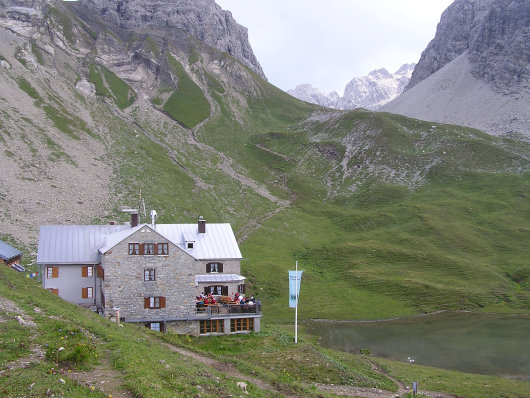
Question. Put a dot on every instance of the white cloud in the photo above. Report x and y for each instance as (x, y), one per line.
(327, 43)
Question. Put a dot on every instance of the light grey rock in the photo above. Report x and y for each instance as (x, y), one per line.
(203, 19)
(86, 87)
(496, 34)
(369, 92)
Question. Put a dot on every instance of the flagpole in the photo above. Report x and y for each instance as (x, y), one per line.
(296, 308)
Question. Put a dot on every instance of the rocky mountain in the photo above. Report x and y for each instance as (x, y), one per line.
(369, 92)
(483, 44)
(101, 109)
(203, 19)
(313, 95)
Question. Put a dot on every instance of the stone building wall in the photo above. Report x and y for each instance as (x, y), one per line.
(124, 284)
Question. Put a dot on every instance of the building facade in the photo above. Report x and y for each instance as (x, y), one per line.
(149, 274)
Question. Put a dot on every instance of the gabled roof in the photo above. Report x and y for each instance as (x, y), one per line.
(73, 244)
(217, 243)
(77, 244)
(7, 252)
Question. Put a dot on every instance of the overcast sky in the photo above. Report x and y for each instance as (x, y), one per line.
(328, 42)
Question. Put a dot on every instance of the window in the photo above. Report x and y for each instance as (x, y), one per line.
(189, 245)
(154, 326)
(211, 326)
(241, 289)
(162, 249)
(149, 274)
(54, 291)
(242, 324)
(134, 248)
(149, 248)
(52, 272)
(87, 271)
(87, 292)
(216, 290)
(155, 302)
(214, 267)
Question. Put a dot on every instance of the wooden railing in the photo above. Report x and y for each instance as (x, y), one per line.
(228, 309)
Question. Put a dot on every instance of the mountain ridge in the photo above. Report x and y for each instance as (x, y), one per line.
(370, 91)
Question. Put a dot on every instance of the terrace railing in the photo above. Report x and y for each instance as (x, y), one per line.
(228, 309)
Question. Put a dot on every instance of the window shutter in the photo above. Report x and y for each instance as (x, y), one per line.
(220, 267)
(207, 290)
(55, 291)
(55, 272)
(84, 292)
(142, 248)
(84, 271)
(146, 302)
(208, 268)
(224, 290)
(100, 271)
(162, 302)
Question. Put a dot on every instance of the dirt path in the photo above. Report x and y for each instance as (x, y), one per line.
(103, 378)
(227, 368)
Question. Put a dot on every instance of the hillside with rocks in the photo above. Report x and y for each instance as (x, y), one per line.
(369, 92)
(102, 108)
(475, 72)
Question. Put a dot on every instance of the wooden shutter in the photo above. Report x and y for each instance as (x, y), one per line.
(142, 248)
(146, 302)
(162, 302)
(207, 290)
(55, 291)
(224, 290)
(100, 272)
(84, 271)
(84, 292)
(208, 268)
(55, 272)
(220, 267)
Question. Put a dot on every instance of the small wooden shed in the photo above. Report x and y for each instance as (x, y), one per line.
(8, 254)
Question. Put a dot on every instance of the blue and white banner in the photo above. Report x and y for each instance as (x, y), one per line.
(295, 278)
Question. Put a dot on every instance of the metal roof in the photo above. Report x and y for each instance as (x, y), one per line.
(7, 252)
(218, 242)
(209, 278)
(82, 244)
(73, 244)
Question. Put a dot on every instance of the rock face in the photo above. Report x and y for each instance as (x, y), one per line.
(308, 93)
(203, 19)
(496, 35)
(369, 92)
(476, 71)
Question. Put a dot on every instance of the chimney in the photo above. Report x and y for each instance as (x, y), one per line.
(202, 225)
(134, 219)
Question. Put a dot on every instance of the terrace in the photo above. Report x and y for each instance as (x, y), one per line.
(209, 310)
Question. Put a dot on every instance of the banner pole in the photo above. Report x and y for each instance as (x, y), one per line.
(296, 308)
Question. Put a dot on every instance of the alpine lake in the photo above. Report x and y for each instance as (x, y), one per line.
(489, 344)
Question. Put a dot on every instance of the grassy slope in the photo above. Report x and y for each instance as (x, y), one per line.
(148, 369)
(459, 241)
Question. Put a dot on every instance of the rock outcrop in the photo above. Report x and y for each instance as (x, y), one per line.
(476, 71)
(496, 36)
(203, 19)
